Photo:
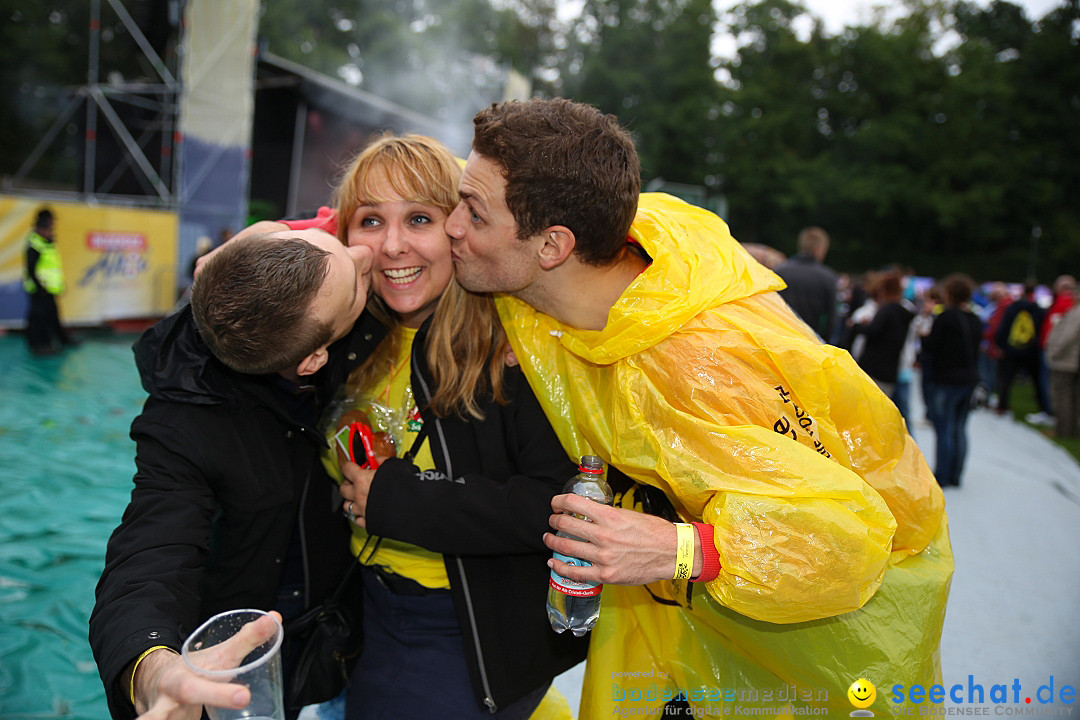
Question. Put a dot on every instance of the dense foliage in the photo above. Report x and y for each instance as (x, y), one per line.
(944, 138)
(905, 147)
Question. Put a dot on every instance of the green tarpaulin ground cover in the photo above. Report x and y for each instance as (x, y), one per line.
(66, 464)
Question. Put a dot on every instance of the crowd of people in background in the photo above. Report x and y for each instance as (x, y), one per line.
(886, 318)
(971, 343)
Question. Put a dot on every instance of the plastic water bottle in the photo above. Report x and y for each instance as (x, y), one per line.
(573, 605)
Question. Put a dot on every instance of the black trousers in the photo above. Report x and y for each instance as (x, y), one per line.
(43, 322)
(1008, 366)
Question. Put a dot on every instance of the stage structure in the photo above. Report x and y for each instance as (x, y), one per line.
(214, 132)
(178, 144)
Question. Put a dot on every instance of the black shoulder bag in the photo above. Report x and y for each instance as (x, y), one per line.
(328, 638)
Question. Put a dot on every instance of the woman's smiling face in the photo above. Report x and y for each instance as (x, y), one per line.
(411, 264)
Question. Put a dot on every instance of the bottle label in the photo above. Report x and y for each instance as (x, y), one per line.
(573, 588)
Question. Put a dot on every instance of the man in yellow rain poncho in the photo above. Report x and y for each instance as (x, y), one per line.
(665, 349)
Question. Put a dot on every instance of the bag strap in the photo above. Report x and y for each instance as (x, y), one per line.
(418, 442)
(336, 596)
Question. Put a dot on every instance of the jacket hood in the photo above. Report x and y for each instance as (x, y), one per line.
(696, 265)
(175, 364)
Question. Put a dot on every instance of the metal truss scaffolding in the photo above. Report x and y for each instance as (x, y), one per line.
(142, 117)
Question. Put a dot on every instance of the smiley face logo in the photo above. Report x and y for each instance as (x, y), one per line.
(862, 693)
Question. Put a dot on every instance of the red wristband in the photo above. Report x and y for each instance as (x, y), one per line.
(710, 566)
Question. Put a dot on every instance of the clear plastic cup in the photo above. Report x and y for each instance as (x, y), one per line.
(218, 650)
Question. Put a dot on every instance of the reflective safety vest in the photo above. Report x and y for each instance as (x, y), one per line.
(48, 269)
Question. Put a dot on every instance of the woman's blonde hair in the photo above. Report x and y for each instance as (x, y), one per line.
(466, 342)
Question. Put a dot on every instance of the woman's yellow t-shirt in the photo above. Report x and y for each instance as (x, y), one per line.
(390, 407)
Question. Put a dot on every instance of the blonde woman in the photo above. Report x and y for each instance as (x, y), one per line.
(449, 530)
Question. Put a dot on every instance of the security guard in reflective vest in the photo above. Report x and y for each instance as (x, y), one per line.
(43, 279)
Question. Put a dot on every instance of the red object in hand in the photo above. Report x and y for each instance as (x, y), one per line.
(361, 439)
(353, 447)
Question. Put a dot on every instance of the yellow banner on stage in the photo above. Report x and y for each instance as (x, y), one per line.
(119, 262)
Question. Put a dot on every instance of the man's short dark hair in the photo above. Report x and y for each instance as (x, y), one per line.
(890, 285)
(565, 163)
(812, 240)
(44, 219)
(252, 301)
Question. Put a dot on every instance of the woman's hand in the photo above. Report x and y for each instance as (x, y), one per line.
(354, 490)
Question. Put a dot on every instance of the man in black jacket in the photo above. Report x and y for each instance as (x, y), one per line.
(1018, 337)
(43, 280)
(811, 285)
(229, 509)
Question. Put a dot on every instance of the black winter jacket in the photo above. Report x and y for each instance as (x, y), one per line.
(486, 511)
(224, 475)
(950, 352)
(885, 338)
(811, 292)
(1030, 338)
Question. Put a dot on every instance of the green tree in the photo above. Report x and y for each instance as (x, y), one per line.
(907, 144)
(886, 90)
(1048, 99)
(648, 63)
(770, 125)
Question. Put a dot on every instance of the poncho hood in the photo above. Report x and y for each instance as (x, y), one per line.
(707, 268)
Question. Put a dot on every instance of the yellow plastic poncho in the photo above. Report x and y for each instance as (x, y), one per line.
(830, 527)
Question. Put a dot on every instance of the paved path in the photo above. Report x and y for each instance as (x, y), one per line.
(1014, 607)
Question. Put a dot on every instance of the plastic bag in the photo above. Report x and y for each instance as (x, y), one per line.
(386, 426)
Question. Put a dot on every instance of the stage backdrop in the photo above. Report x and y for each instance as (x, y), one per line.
(119, 262)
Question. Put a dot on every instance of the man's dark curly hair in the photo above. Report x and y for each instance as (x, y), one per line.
(565, 163)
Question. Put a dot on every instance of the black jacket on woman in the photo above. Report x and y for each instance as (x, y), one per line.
(951, 351)
(225, 473)
(885, 338)
(485, 508)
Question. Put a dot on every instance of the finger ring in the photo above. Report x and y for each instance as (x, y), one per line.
(352, 516)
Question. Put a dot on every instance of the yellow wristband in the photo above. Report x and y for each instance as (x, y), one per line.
(142, 657)
(684, 550)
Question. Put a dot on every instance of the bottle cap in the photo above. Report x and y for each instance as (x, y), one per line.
(592, 465)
